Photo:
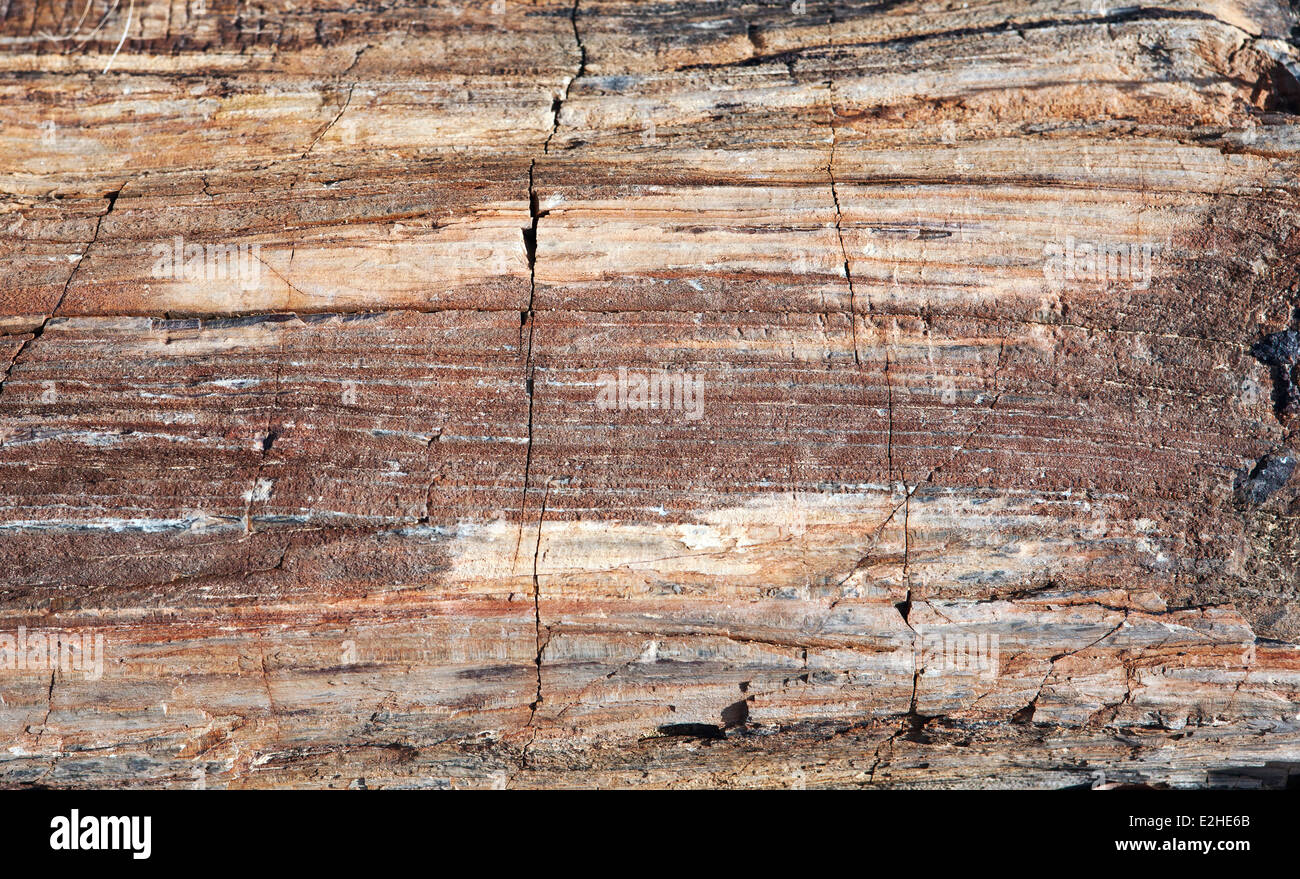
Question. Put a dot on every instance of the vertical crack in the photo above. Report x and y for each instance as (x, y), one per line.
(49, 703)
(527, 319)
(434, 474)
(907, 542)
(889, 402)
(537, 628)
(877, 759)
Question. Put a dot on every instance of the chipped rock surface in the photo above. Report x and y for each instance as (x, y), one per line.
(534, 393)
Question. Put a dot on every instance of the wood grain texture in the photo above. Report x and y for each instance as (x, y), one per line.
(955, 505)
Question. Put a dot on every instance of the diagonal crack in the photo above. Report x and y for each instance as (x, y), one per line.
(835, 197)
(13, 360)
(1026, 714)
(81, 258)
(558, 102)
(337, 116)
(839, 234)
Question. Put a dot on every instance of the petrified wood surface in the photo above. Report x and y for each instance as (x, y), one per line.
(356, 517)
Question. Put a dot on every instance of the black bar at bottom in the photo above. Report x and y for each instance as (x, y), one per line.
(1070, 829)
